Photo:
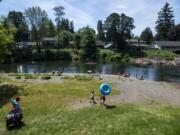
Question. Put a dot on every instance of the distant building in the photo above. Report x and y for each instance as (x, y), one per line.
(168, 45)
(48, 42)
(137, 44)
(25, 45)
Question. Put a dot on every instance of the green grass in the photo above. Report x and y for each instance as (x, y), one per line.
(160, 54)
(47, 112)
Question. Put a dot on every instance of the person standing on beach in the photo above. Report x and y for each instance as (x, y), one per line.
(102, 99)
(92, 100)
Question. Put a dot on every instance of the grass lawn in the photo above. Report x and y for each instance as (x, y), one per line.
(46, 111)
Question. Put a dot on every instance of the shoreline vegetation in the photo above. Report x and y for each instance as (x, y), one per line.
(146, 57)
(60, 105)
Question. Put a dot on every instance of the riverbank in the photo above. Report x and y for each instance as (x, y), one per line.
(131, 89)
(60, 105)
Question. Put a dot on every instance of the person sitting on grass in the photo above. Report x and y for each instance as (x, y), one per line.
(16, 105)
(92, 99)
(102, 99)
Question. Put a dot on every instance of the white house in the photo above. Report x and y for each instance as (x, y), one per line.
(168, 45)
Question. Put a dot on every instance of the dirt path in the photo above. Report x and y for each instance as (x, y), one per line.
(138, 91)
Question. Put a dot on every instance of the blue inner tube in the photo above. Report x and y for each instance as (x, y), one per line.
(105, 89)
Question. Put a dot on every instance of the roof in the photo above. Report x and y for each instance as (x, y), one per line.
(136, 41)
(168, 43)
(49, 39)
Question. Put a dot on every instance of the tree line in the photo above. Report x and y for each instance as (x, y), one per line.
(34, 24)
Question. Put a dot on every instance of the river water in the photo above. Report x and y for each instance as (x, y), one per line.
(153, 72)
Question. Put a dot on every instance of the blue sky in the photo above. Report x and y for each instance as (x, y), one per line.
(88, 12)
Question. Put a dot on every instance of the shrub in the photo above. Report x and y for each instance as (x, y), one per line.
(46, 77)
(160, 54)
(49, 55)
(63, 55)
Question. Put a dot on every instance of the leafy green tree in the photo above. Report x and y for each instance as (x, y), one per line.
(18, 20)
(100, 29)
(174, 34)
(77, 40)
(65, 38)
(118, 30)
(6, 40)
(147, 35)
(165, 22)
(88, 43)
(59, 13)
(36, 17)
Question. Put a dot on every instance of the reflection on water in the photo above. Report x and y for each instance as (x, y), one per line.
(158, 73)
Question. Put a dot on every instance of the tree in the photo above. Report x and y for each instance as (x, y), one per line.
(88, 43)
(65, 38)
(174, 34)
(165, 22)
(18, 20)
(147, 35)
(100, 29)
(64, 25)
(52, 29)
(59, 13)
(36, 17)
(6, 40)
(71, 27)
(118, 30)
(77, 40)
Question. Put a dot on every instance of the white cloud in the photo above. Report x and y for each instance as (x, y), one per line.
(88, 12)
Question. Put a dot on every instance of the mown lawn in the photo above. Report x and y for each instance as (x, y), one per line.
(46, 112)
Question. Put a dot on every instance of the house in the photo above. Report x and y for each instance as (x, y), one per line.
(25, 45)
(168, 45)
(48, 42)
(137, 44)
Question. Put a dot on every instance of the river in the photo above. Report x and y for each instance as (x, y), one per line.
(149, 72)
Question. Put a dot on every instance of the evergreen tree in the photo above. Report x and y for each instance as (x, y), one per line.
(101, 35)
(147, 35)
(71, 27)
(174, 34)
(165, 22)
(52, 29)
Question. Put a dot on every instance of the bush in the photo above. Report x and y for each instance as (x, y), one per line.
(46, 77)
(49, 55)
(160, 54)
(63, 55)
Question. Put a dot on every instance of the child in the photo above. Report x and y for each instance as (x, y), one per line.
(16, 105)
(102, 99)
(92, 100)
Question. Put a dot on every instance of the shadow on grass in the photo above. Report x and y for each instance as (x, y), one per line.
(109, 106)
(6, 93)
(17, 126)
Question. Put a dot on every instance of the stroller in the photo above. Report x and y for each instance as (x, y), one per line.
(13, 118)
